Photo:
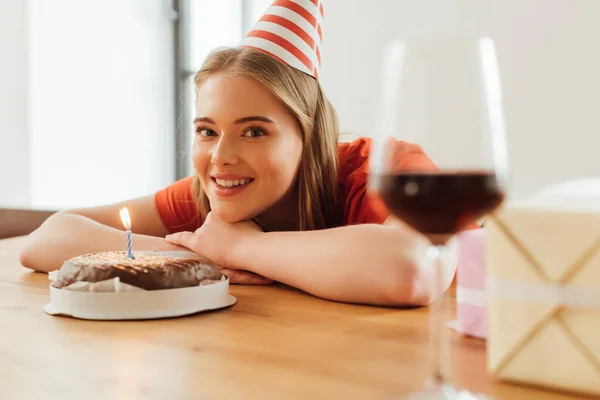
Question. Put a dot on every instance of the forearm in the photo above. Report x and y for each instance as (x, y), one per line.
(65, 235)
(370, 264)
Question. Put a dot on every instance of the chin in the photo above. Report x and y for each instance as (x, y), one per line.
(231, 214)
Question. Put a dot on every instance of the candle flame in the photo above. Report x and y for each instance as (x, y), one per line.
(125, 218)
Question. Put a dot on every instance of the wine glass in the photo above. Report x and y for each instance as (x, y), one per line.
(442, 94)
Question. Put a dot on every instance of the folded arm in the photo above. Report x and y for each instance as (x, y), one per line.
(372, 264)
(71, 233)
(368, 264)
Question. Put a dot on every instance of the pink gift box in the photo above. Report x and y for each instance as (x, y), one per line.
(471, 304)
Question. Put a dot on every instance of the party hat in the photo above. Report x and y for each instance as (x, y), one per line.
(290, 31)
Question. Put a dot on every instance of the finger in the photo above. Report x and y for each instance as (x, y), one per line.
(181, 238)
(245, 277)
(238, 277)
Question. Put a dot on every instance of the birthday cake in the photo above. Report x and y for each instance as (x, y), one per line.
(147, 271)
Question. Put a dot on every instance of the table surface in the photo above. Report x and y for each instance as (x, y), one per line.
(276, 342)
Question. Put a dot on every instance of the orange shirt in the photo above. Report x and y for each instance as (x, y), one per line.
(178, 210)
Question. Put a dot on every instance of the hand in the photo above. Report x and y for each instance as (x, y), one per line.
(241, 277)
(217, 240)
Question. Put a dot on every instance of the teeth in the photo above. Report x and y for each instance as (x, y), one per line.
(230, 184)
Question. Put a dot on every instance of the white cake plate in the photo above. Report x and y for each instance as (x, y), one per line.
(144, 304)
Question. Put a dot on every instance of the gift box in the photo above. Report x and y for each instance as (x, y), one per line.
(543, 289)
(471, 301)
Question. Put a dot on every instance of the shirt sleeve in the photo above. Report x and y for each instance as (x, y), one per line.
(176, 207)
(361, 205)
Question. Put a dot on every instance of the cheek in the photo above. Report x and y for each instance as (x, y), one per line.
(280, 169)
(200, 159)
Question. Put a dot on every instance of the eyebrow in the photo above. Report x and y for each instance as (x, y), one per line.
(237, 121)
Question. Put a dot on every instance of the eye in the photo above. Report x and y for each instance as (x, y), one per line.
(254, 132)
(205, 132)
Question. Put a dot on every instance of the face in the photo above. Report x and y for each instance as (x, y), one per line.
(247, 147)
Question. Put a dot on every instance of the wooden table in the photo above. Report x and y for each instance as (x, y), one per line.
(275, 343)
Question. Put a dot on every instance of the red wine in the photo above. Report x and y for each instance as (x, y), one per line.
(440, 203)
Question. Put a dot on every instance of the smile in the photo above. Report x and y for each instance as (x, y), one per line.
(230, 187)
(231, 184)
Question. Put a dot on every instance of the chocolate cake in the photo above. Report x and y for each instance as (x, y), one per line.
(149, 271)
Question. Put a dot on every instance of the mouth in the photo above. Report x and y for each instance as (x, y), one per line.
(229, 184)
(230, 187)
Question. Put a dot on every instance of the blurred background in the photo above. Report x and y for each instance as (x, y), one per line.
(96, 97)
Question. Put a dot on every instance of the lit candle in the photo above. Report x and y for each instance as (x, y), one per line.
(126, 219)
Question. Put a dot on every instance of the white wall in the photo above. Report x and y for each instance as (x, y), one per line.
(102, 101)
(14, 131)
(549, 59)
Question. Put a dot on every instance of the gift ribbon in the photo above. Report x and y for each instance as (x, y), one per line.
(529, 292)
(543, 293)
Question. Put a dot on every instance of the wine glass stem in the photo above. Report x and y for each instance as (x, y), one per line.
(437, 320)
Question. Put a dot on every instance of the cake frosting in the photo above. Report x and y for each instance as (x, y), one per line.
(148, 271)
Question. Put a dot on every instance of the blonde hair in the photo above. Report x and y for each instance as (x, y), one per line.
(302, 95)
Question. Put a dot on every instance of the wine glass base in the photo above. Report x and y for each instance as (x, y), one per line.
(445, 392)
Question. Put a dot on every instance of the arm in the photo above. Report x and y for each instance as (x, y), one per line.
(70, 233)
(373, 264)
(369, 264)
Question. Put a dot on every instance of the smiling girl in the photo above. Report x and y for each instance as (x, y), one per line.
(274, 196)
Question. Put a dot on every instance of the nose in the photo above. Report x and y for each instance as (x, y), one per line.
(224, 153)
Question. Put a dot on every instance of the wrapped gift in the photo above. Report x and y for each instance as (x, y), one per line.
(471, 302)
(543, 287)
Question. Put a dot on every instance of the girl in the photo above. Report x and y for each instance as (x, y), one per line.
(274, 196)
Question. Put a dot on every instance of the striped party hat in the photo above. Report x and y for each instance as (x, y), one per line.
(291, 31)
